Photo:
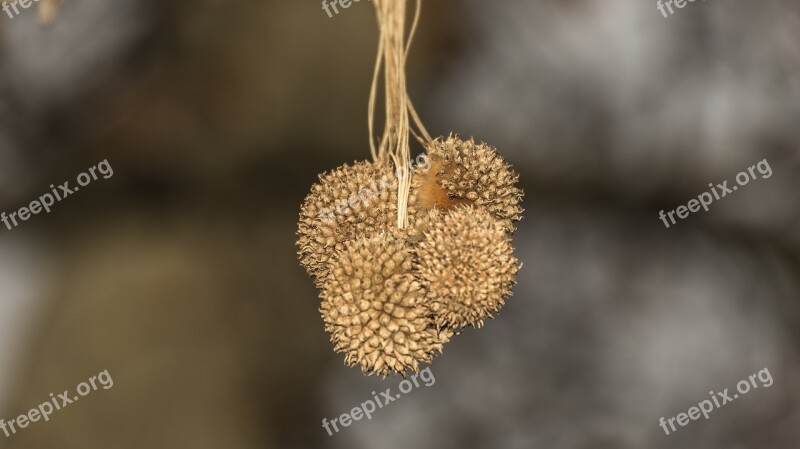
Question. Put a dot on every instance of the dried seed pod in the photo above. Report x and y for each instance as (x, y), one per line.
(466, 173)
(420, 220)
(375, 310)
(349, 202)
(467, 266)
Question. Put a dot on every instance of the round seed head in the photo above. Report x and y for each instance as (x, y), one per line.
(376, 311)
(467, 173)
(349, 202)
(467, 266)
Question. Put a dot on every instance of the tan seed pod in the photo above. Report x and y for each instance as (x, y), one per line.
(351, 201)
(375, 310)
(467, 266)
(466, 173)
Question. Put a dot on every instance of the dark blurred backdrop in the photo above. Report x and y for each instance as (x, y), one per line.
(179, 274)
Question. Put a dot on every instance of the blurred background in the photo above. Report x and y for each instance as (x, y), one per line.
(179, 273)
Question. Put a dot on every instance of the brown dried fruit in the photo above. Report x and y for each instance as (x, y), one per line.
(375, 310)
(466, 173)
(391, 298)
(467, 266)
(349, 202)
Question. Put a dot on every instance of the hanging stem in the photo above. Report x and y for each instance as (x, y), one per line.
(394, 144)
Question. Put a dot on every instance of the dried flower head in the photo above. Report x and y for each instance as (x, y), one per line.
(375, 310)
(391, 298)
(351, 201)
(467, 266)
(463, 172)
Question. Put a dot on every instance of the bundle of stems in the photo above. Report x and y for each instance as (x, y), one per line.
(394, 144)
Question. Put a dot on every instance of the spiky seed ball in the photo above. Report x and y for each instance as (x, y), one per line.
(467, 266)
(349, 202)
(466, 173)
(420, 220)
(375, 310)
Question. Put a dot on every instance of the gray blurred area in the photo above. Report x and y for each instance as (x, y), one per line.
(178, 275)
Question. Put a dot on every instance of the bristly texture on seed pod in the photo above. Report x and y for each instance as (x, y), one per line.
(466, 173)
(375, 310)
(349, 202)
(467, 266)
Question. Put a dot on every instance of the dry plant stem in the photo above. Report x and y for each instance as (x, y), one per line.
(392, 54)
(47, 10)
